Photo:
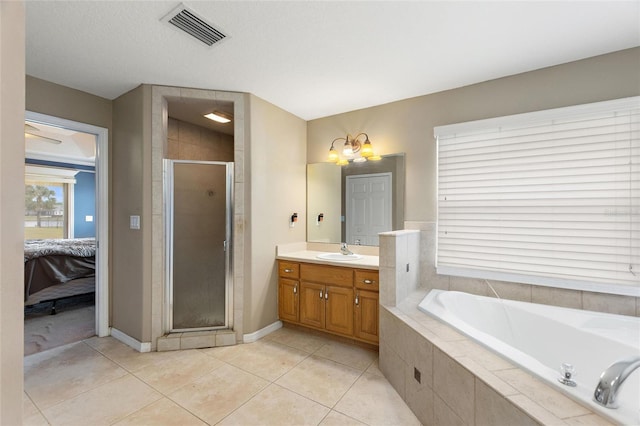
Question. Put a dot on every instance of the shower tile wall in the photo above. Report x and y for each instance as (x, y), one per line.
(429, 279)
(187, 141)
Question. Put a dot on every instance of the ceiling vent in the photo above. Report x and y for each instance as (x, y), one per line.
(188, 21)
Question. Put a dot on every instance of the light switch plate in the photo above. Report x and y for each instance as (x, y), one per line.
(134, 222)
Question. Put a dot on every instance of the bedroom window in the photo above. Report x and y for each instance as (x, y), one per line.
(44, 210)
(48, 200)
(549, 198)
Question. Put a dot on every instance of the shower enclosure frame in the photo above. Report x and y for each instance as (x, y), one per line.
(228, 244)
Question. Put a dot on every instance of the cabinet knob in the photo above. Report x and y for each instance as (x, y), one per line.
(368, 281)
(321, 295)
(326, 295)
(295, 289)
(357, 299)
(288, 271)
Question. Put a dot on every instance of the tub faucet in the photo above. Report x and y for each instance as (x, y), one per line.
(612, 378)
(344, 249)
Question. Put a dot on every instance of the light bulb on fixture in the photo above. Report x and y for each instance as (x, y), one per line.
(367, 149)
(348, 148)
(333, 155)
(342, 162)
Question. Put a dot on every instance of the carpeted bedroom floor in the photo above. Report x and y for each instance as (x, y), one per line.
(74, 321)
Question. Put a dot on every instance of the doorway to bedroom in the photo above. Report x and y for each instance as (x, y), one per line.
(65, 227)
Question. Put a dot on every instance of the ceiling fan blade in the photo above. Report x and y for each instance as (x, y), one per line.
(50, 140)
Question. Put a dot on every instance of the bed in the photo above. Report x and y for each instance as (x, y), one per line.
(55, 269)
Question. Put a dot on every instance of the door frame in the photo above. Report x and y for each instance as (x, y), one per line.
(102, 209)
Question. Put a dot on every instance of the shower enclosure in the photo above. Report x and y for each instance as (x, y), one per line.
(198, 198)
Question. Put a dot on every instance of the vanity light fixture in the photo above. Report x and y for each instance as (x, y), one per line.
(352, 146)
(218, 116)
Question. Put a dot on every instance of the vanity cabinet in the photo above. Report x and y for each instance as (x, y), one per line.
(288, 291)
(366, 285)
(339, 300)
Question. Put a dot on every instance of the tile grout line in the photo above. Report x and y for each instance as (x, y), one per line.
(272, 382)
(37, 408)
(133, 372)
(308, 355)
(86, 390)
(224, 363)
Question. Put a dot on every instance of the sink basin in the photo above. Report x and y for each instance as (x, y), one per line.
(339, 257)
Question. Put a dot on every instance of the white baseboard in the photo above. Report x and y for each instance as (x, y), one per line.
(130, 341)
(256, 335)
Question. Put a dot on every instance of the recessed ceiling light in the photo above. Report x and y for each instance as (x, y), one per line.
(220, 117)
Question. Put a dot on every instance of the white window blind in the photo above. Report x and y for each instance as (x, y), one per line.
(42, 174)
(549, 198)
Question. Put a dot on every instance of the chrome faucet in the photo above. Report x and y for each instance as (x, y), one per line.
(344, 249)
(612, 378)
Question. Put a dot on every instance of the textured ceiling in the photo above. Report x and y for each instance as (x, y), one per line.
(318, 58)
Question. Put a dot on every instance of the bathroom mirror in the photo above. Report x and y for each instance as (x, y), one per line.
(353, 203)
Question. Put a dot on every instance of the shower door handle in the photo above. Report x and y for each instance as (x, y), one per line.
(224, 244)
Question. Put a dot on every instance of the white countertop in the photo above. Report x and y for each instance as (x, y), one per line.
(310, 256)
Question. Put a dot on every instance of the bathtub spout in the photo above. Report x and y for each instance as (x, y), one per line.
(612, 378)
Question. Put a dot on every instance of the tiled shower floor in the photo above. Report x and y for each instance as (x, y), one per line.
(287, 378)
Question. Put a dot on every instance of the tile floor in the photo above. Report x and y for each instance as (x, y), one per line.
(287, 378)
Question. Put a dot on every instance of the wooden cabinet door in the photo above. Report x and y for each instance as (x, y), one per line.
(339, 316)
(366, 316)
(312, 304)
(288, 300)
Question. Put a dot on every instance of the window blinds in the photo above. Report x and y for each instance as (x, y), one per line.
(45, 175)
(549, 198)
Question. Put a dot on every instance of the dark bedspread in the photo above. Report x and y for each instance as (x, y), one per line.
(52, 262)
(78, 247)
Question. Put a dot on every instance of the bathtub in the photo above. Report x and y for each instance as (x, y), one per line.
(539, 338)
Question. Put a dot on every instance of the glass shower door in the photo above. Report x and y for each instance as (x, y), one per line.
(200, 201)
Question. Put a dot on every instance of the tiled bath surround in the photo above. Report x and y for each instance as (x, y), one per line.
(448, 379)
(600, 302)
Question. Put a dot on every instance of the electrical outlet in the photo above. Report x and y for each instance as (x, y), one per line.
(417, 375)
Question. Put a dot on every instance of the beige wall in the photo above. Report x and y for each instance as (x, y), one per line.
(63, 102)
(277, 156)
(12, 69)
(407, 126)
(131, 189)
